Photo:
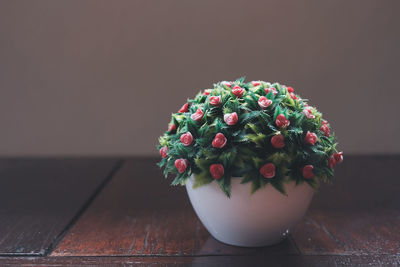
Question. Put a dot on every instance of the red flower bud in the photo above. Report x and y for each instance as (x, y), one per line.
(281, 121)
(231, 118)
(268, 170)
(308, 171)
(293, 96)
(238, 91)
(217, 170)
(171, 127)
(264, 102)
(226, 83)
(163, 151)
(308, 113)
(311, 138)
(184, 108)
(290, 89)
(332, 162)
(325, 129)
(181, 165)
(187, 139)
(268, 90)
(338, 157)
(206, 92)
(278, 141)
(255, 83)
(215, 100)
(198, 115)
(219, 140)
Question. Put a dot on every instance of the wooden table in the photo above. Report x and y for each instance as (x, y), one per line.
(93, 211)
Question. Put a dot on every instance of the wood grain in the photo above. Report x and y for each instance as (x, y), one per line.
(140, 214)
(359, 214)
(40, 197)
(218, 261)
(138, 219)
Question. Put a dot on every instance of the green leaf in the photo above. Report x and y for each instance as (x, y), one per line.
(314, 183)
(192, 127)
(248, 177)
(201, 179)
(253, 127)
(225, 185)
(240, 169)
(258, 139)
(249, 117)
(255, 185)
(278, 185)
(180, 179)
(202, 163)
(249, 141)
(240, 80)
(258, 162)
(228, 156)
(278, 110)
(279, 158)
(162, 163)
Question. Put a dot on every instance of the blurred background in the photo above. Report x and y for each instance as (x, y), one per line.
(102, 77)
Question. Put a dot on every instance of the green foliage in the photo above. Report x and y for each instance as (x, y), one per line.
(248, 145)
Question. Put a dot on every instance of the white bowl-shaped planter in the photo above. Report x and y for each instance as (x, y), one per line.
(249, 220)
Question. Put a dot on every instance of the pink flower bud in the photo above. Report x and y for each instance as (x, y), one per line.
(215, 100)
(311, 138)
(226, 83)
(308, 113)
(338, 157)
(217, 171)
(308, 171)
(264, 102)
(268, 170)
(171, 127)
(325, 129)
(198, 115)
(184, 108)
(238, 91)
(163, 151)
(181, 165)
(231, 118)
(187, 139)
(219, 140)
(281, 121)
(271, 89)
(278, 141)
(332, 162)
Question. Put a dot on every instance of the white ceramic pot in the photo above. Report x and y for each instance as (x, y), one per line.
(249, 220)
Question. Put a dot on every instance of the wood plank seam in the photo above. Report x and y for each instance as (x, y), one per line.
(291, 239)
(84, 207)
(124, 221)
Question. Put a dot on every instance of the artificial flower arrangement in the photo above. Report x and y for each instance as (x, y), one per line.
(263, 132)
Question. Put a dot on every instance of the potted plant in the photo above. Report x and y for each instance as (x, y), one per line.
(250, 155)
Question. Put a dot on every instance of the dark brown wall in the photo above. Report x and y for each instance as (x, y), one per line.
(102, 77)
